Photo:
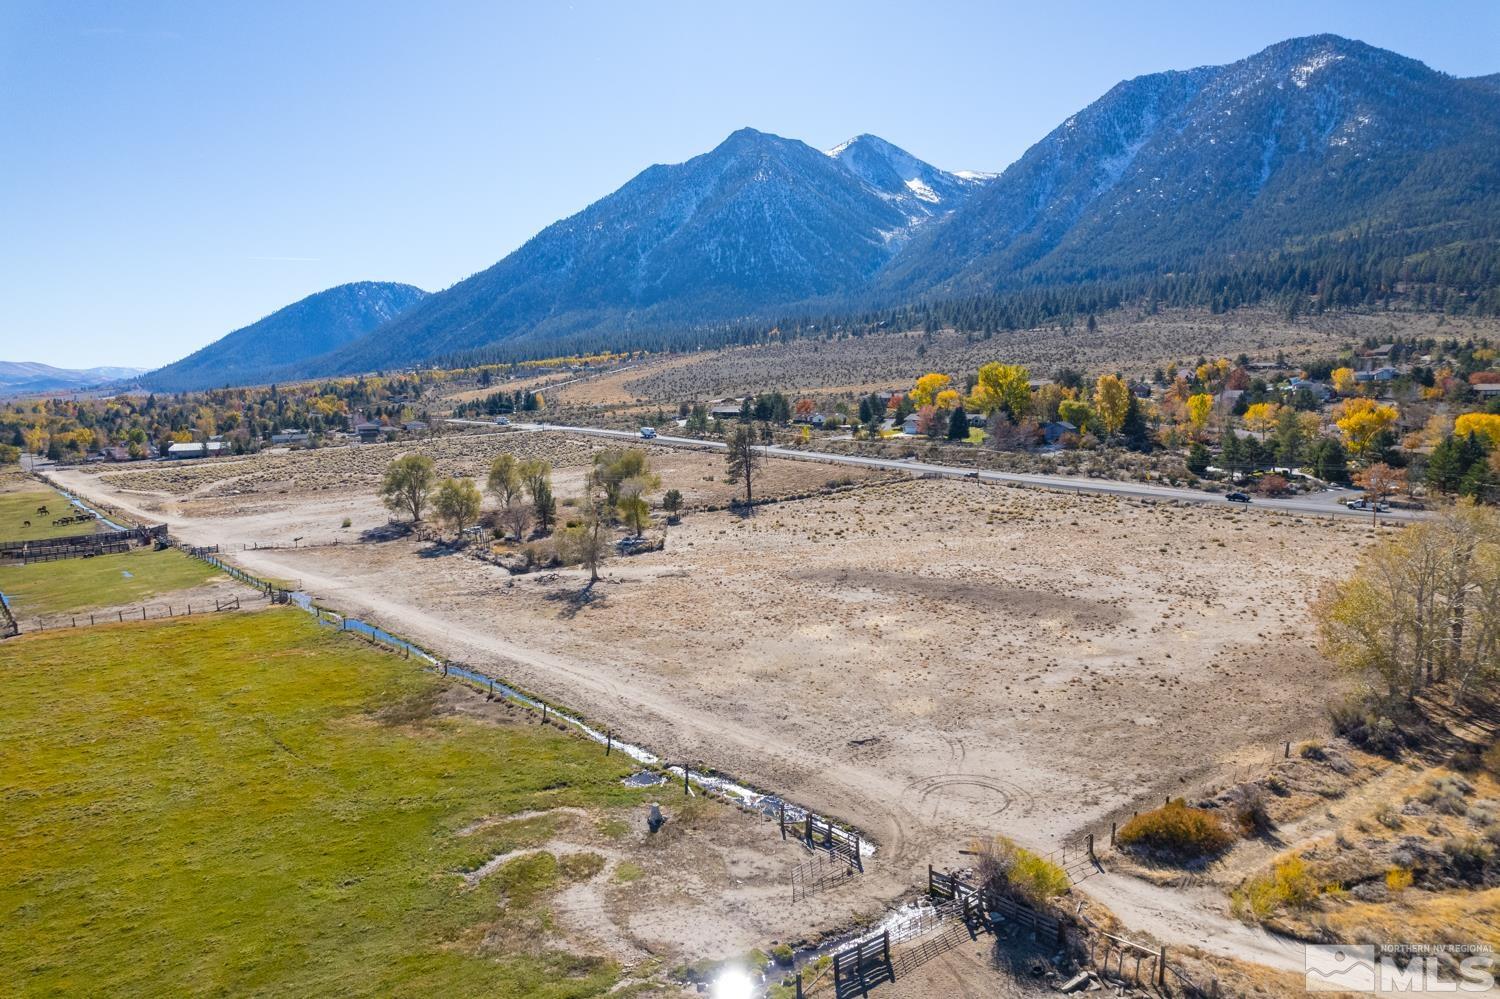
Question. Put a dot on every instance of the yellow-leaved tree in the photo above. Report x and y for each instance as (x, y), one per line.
(1111, 403)
(1262, 416)
(948, 399)
(1486, 425)
(1002, 386)
(1343, 381)
(1362, 421)
(1199, 408)
(925, 392)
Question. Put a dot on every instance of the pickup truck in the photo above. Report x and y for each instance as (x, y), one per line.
(648, 432)
(1237, 497)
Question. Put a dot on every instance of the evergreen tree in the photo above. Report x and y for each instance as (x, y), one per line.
(958, 425)
(1198, 458)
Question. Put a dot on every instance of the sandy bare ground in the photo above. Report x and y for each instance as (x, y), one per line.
(931, 661)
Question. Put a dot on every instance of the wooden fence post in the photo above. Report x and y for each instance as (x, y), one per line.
(1113, 828)
(1161, 967)
(807, 829)
(685, 771)
(930, 887)
(782, 819)
(1091, 846)
(886, 945)
(799, 985)
(609, 737)
(1288, 752)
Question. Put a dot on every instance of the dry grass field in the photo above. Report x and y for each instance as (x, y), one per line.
(1132, 344)
(274, 498)
(929, 660)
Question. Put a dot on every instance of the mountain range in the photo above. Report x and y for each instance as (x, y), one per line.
(28, 377)
(1309, 142)
(288, 338)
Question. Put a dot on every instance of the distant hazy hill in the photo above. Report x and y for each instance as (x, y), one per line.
(1313, 137)
(22, 377)
(756, 222)
(265, 349)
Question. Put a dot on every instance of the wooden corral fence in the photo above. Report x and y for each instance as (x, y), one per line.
(1078, 860)
(815, 833)
(79, 545)
(976, 903)
(819, 874)
(863, 965)
(1147, 964)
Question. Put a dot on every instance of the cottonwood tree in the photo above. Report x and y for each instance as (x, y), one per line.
(614, 467)
(1002, 388)
(407, 484)
(457, 503)
(504, 482)
(1422, 609)
(1111, 403)
(587, 542)
(742, 459)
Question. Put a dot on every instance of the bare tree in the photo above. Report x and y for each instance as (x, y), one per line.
(517, 517)
(742, 459)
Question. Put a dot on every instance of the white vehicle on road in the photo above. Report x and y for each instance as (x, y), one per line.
(502, 421)
(648, 432)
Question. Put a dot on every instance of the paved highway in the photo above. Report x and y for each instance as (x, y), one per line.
(1326, 503)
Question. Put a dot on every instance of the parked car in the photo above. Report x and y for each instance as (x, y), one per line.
(1364, 504)
(1237, 497)
(648, 432)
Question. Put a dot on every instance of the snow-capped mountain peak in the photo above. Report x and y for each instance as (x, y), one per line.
(919, 189)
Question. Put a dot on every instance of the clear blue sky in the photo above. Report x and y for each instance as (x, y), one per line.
(172, 171)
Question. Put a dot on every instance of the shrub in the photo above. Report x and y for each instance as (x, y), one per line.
(1177, 831)
(1015, 871)
(1446, 795)
(782, 954)
(346, 522)
(1289, 885)
(1469, 857)
(1248, 803)
(1398, 879)
(1388, 816)
(1374, 724)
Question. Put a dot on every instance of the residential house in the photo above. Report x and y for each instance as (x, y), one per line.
(1056, 430)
